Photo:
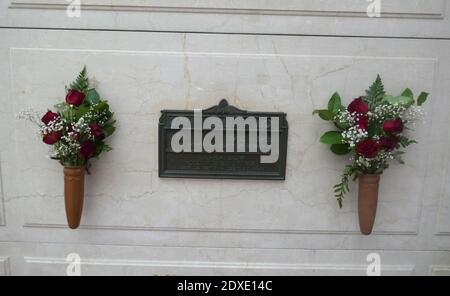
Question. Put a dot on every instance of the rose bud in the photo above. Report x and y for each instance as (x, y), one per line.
(97, 131)
(389, 143)
(362, 122)
(52, 138)
(49, 117)
(87, 149)
(75, 98)
(368, 148)
(393, 126)
(358, 106)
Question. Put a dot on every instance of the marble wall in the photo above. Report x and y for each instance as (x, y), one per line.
(137, 223)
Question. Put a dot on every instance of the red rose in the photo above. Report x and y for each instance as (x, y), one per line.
(368, 148)
(52, 138)
(362, 122)
(97, 131)
(393, 126)
(389, 143)
(49, 117)
(75, 98)
(87, 150)
(358, 106)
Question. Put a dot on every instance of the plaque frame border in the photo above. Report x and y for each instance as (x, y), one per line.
(222, 109)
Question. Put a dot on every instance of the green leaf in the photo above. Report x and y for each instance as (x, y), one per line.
(405, 142)
(331, 138)
(68, 114)
(92, 97)
(110, 122)
(107, 148)
(334, 104)
(102, 106)
(388, 98)
(326, 115)
(109, 130)
(340, 149)
(82, 110)
(99, 146)
(401, 100)
(340, 126)
(374, 129)
(422, 98)
(61, 106)
(398, 156)
(408, 93)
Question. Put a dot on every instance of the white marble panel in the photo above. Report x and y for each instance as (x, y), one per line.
(126, 182)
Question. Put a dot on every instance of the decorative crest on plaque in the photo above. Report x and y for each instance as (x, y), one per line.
(224, 108)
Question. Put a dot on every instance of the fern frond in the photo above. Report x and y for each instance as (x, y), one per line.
(342, 187)
(375, 93)
(81, 84)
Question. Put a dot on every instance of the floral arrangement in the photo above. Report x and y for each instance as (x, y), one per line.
(78, 129)
(373, 129)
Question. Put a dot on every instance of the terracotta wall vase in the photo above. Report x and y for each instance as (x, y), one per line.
(74, 194)
(367, 202)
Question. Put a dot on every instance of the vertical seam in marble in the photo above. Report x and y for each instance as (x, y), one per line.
(420, 202)
(2, 199)
(4, 261)
(443, 186)
(186, 71)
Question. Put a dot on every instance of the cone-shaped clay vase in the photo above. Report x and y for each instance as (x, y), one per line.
(367, 202)
(74, 194)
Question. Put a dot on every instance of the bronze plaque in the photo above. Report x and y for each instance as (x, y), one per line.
(222, 142)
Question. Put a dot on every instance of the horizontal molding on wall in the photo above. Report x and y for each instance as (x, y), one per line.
(211, 230)
(440, 270)
(344, 268)
(443, 233)
(4, 266)
(425, 9)
(433, 60)
(439, 225)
